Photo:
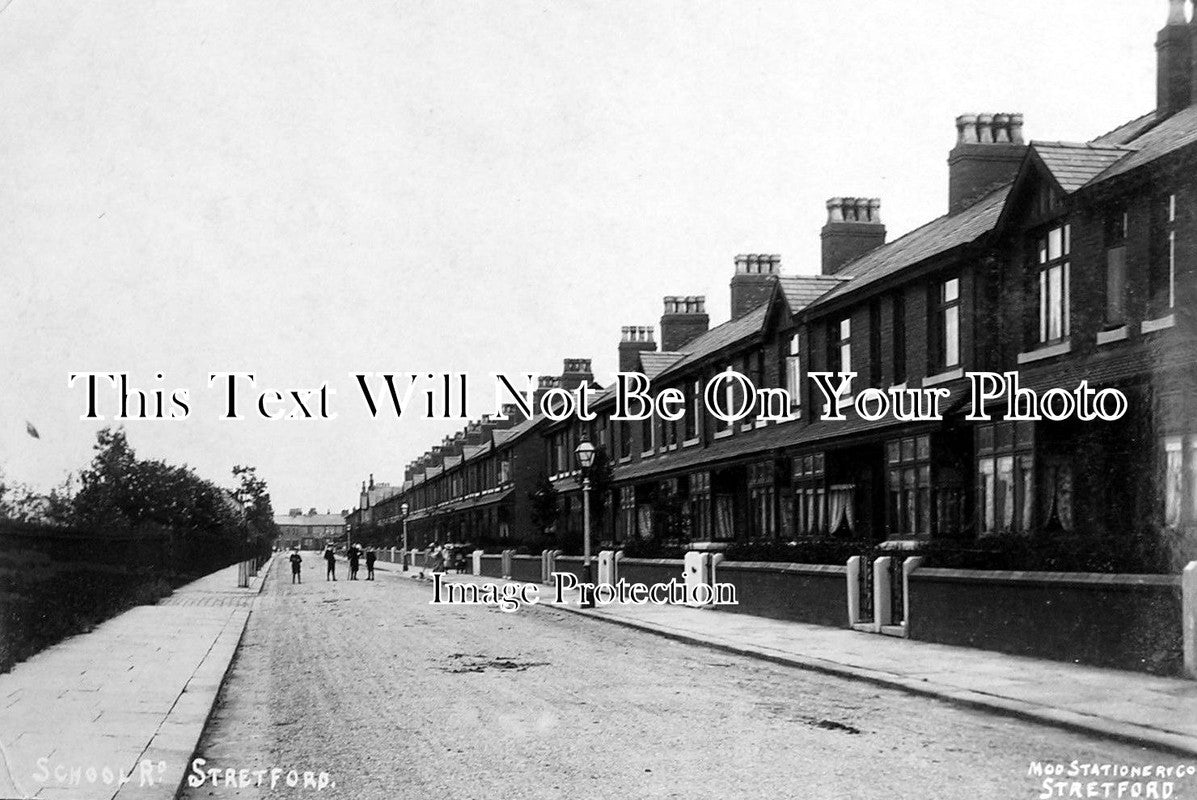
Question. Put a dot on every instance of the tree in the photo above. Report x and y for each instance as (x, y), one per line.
(259, 511)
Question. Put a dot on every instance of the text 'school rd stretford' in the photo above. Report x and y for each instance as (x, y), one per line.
(1061, 261)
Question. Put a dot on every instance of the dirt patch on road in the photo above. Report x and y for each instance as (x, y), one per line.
(481, 663)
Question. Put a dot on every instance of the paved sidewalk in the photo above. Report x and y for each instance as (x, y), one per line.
(1127, 706)
(130, 698)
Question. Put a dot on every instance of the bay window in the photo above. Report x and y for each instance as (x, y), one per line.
(1005, 469)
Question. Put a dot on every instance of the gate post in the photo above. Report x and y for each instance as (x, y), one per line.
(853, 591)
(882, 600)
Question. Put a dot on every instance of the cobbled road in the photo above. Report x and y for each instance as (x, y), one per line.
(397, 699)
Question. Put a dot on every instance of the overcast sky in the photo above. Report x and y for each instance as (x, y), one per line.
(305, 190)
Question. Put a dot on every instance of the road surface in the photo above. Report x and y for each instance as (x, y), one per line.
(393, 698)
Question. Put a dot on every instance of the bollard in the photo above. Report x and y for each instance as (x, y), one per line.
(1188, 584)
(243, 575)
(476, 558)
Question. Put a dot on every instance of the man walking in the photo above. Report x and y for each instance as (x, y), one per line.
(371, 556)
(296, 562)
(331, 558)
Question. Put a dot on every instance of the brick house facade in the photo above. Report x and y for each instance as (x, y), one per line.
(1062, 261)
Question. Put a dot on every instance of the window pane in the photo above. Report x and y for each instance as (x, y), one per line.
(845, 329)
(985, 499)
(951, 336)
(1024, 493)
(1116, 285)
(908, 449)
(1067, 239)
(923, 447)
(1055, 319)
(1005, 492)
(985, 437)
(1173, 483)
(950, 290)
(845, 357)
(1055, 243)
(1066, 300)
(1043, 306)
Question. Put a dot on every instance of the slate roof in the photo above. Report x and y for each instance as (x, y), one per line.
(802, 290)
(474, 450)
(937, 236)
(1175, 132)
(719, 337)
(1127, 130)
(517, 431)
(1073, 165)
(654, 363)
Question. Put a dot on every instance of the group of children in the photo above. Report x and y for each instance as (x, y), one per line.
(354, 556)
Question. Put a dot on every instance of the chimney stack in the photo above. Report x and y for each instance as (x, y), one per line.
(753, 282)
(576, 372)
(1175, 67)
(684, 320)
(989, 150)
(853, 228)
(633, 340)
(544, 383)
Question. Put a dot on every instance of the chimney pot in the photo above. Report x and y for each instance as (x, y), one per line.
(985, 128)
(1176, 12)
(835, 209)
(1001, 128)
(966, 127)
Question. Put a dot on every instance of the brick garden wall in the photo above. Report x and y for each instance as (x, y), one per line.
(1123, 621)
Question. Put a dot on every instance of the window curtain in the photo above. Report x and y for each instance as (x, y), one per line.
(724, 522)
(644, 518)
(840, 508)
(1059, 496)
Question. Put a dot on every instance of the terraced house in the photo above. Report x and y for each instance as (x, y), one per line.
(1063, 261)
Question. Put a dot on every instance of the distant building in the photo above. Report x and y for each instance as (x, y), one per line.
(309, 531)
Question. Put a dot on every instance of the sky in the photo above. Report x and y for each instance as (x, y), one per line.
(308, 191)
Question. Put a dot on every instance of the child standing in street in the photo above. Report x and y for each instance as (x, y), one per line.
(331, 558)
(296, 562)
(370, 558)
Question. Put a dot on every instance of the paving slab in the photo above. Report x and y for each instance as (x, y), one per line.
(130, 698)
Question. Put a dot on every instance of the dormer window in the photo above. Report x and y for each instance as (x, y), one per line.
(1053, 254)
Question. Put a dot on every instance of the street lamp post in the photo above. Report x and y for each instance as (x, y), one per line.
(403, 513)
(585, 454)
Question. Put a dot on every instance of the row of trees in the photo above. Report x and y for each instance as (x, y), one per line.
(119, 492)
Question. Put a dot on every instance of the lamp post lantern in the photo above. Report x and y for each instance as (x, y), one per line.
(585, 454)
(403, 513)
